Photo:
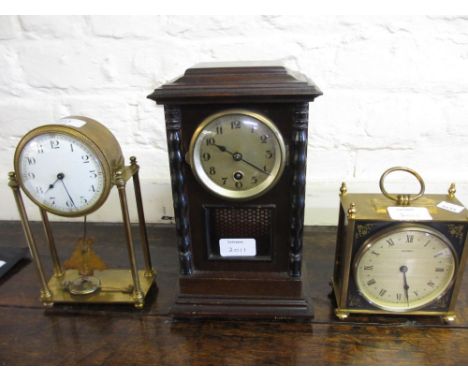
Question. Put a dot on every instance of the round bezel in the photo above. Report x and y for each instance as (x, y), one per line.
(85, 140)
(404, 227)
(208, 183)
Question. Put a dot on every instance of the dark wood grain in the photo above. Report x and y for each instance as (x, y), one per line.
(237, 82)
(121, 335)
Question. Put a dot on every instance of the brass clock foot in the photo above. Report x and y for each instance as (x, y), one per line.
(341, 315)
(448, 319)
(139, 300)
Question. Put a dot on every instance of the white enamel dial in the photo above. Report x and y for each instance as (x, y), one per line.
(61, 173)
(405, 268)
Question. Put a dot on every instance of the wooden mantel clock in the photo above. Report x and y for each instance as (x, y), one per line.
(237, 142)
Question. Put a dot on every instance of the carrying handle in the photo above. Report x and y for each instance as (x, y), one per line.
(402, 199)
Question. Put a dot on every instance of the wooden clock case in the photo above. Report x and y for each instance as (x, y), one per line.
(269, 285)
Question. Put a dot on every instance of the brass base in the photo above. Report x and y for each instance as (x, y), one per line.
(116, 288)
(343, 313)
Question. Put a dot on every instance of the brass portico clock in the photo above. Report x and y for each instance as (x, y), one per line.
(400, 254)
(68, 169)
(237, 143)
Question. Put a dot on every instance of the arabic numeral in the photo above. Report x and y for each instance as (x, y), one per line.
(85, 158)
(55, 144)
(235, 125)
(31, 160)
(264, 138)
(92, 174)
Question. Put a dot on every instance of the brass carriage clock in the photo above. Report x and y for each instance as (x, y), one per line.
(68, 169)
(237, 142)
(399, 254)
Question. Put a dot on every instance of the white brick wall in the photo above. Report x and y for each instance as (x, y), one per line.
(395, 91)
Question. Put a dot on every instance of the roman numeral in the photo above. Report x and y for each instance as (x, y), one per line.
(371, 282)
(375, 253)
(439, 269)
(398, 296)
(409, 238)
(368, 267)
(390, 242)
(382, 292)
(431, 284)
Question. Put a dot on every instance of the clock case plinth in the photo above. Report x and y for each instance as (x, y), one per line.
(270, 287)
(363, 215)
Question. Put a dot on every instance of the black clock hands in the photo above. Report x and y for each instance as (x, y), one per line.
(239, 157)
(404, 269)
(52, 185)
(60, 177)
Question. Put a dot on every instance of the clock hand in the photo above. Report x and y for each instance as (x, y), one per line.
(239, 157)
(404, 269)
(52, 185)
(65, 187)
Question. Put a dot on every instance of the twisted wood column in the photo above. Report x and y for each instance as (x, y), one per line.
(298, 163)
(179, 193)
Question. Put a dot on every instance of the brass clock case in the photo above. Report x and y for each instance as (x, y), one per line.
(403, 227)
(253, 192)
(97, 138)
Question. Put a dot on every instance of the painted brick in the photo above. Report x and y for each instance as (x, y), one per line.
(395, 91)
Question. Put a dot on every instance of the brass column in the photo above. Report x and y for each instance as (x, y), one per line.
(141, 217)
(58, 271)
(46, 295)
(137, 293)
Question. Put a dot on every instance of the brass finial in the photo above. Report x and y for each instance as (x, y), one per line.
(352, 211)
(119, 180)
(403, 200)
(12, 181)
(451, 191)
(343, 189)
(133, 160)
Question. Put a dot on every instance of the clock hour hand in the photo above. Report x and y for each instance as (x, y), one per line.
(239, 157)
(404, 269)
(52, 185)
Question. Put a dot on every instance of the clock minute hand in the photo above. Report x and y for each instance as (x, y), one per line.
(404, 269)
(239, 157)
(66, 190)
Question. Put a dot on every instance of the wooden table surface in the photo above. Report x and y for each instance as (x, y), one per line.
(120, 335)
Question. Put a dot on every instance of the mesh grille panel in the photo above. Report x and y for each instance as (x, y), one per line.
(242, 222)
(248, 222)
